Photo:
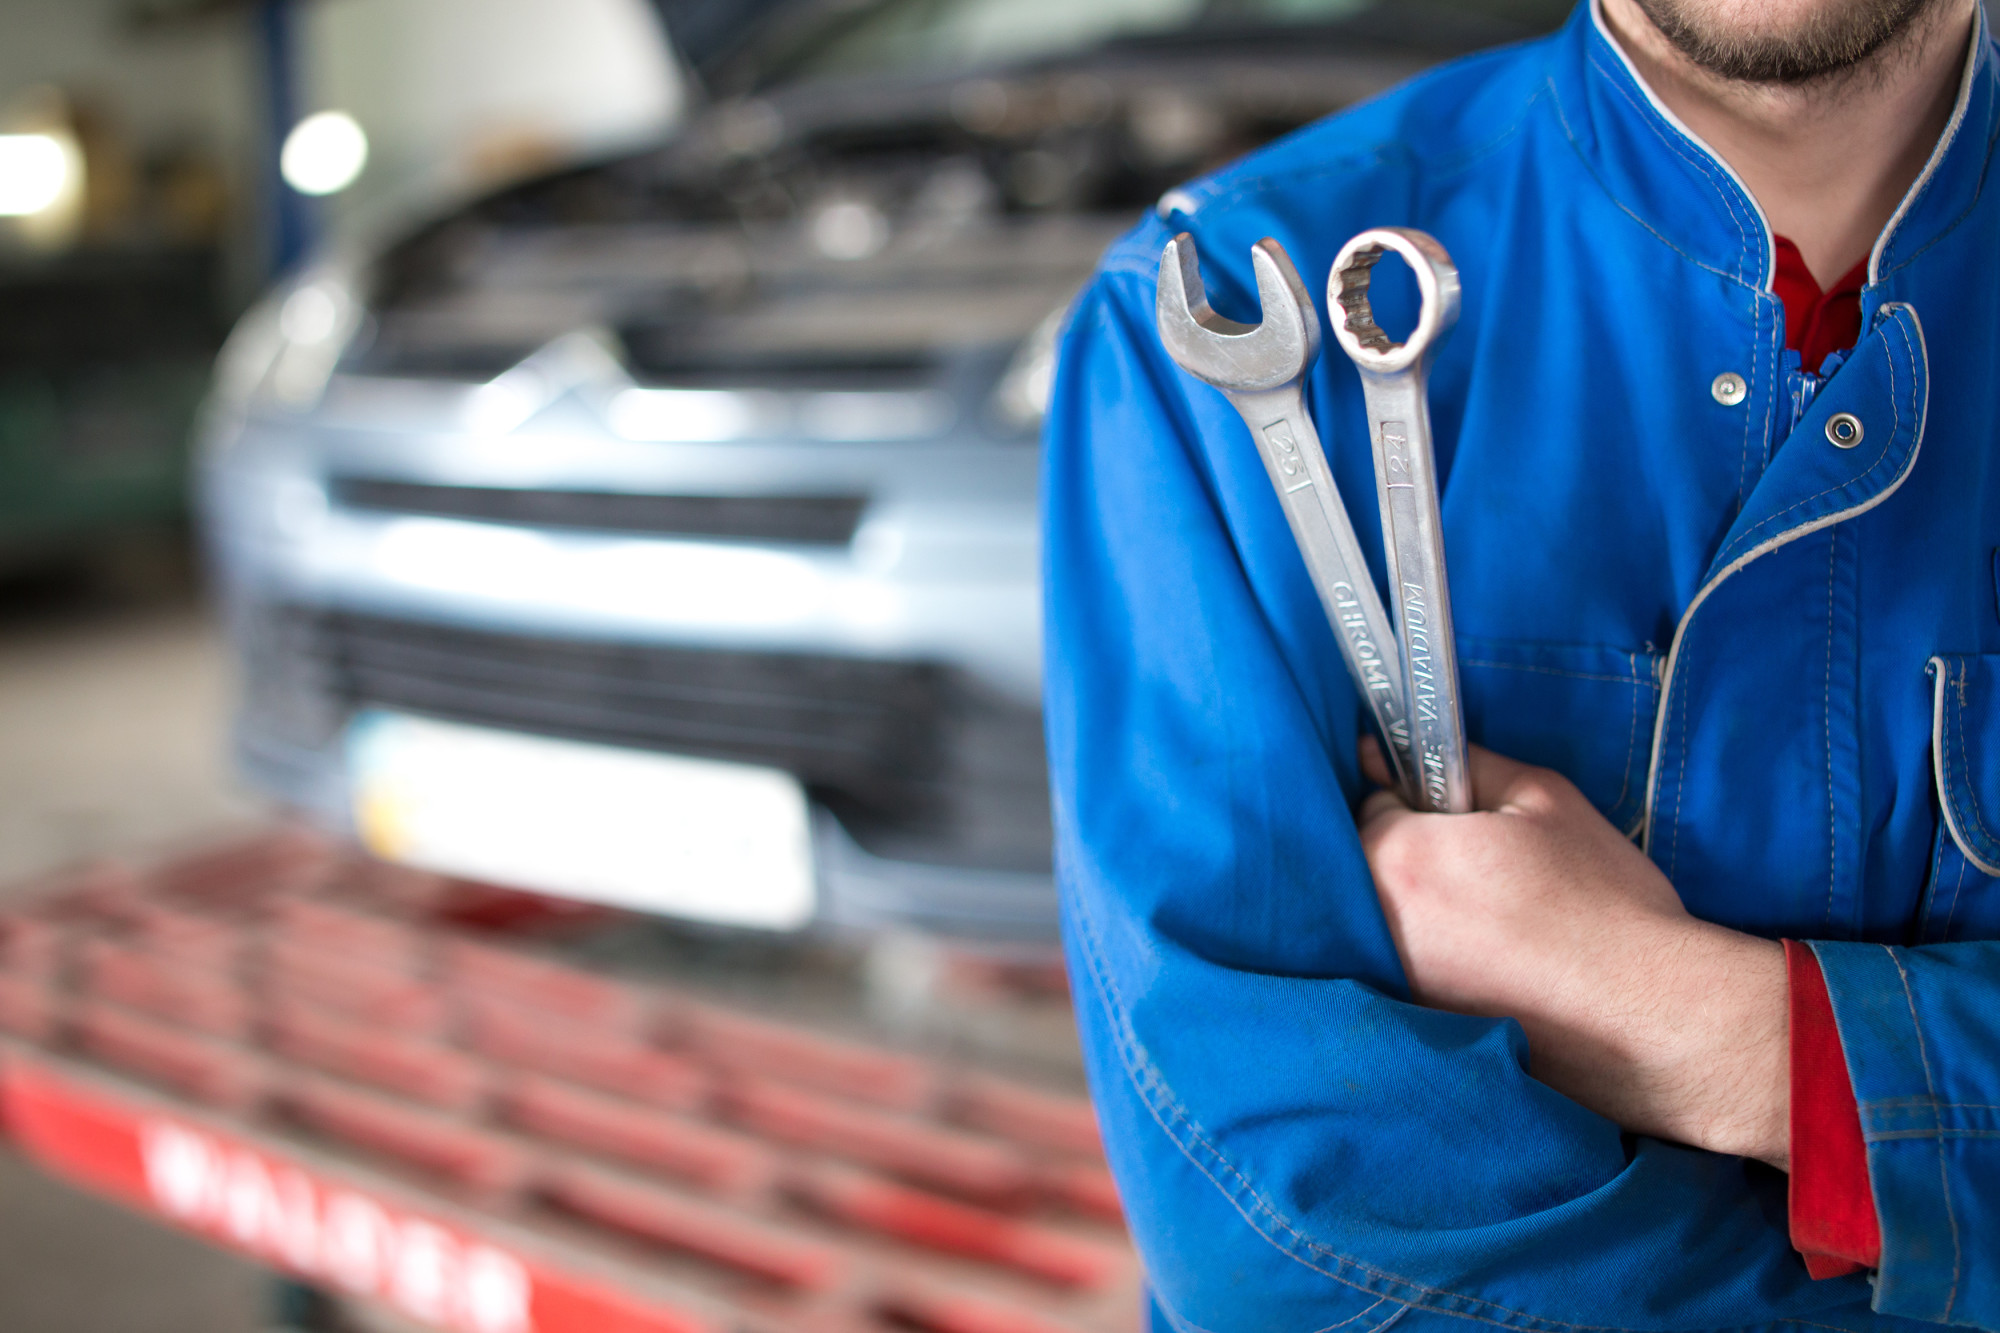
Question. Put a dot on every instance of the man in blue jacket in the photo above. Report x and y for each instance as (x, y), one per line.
(1718, 426)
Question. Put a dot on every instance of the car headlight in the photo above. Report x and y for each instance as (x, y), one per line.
(315, 324)
(247, 353)
(1021, 399)
(284, 349)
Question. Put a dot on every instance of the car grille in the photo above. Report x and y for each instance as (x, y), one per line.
(918, 761)
(808, 520)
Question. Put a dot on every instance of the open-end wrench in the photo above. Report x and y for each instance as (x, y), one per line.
(1394, 381)
(1261, 370)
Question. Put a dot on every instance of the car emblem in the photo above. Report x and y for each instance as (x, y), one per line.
(586, 358)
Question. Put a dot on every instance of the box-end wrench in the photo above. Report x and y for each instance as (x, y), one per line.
(1261, 370)
(1395, 382)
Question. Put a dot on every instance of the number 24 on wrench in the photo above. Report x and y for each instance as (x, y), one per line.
(1410, 681)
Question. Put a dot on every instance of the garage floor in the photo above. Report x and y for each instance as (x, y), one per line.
(111, 718)
(111, 732)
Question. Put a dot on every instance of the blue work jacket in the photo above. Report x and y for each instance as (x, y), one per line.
(1773, 659)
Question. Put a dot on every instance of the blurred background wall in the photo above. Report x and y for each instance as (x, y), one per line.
(168, 102)
(164, 117)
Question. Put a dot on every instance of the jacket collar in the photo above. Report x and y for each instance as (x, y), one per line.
(1951, 180)
(1677, 187)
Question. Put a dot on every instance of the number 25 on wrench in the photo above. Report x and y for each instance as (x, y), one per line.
(1394, 382)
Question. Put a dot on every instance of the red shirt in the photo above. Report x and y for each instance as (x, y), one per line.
(1817, 323)
(1833, 1221)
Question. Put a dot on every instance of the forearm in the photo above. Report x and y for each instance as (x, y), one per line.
(1536, 909)
(1692, 1046)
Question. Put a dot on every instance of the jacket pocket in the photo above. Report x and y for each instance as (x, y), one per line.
(1583, 710)
(1965, 765)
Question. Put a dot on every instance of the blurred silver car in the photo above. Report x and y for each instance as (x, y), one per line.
(662, 532)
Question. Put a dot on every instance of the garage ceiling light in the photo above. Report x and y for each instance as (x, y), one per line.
(324, 153)
(34, 171)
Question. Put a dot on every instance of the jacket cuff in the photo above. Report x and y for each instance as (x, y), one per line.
(1875, 1010)
(1832, 1205)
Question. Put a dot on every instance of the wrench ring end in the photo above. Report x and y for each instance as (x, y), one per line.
(1354, 318)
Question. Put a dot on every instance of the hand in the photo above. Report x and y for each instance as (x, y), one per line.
(1537, 909)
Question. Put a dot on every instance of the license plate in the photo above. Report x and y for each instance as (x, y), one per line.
(696, 838)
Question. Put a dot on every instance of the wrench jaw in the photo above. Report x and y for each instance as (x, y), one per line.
(1261, 370)
(1394, 382)
(1233, 357)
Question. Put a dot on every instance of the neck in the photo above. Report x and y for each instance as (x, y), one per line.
(1829, 161)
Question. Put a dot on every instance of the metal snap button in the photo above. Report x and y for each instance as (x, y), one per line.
(1729, 389)
(1844, 430)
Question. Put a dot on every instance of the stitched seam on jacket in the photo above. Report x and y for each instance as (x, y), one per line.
(1772, 351)
(1949, 779)
(1925, 932)
(1687, 154)
(1965, 758)
(1945, 780)
(1633, 679)
(1622, 207)
(1958, 885)
(1680, 773)
(1683, 633)
(1362, 1313)
(1743, 452)
(1399, 1312)
(1985, 171)
(1944, 1176)
(1743, 445)
(1146, 1077)
(1766, 348)
(1631, 740)
(1832, 817)
(1895, 430)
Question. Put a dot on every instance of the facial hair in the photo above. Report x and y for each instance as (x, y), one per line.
(1844, 35)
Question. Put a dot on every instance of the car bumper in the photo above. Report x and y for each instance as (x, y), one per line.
(921, 634)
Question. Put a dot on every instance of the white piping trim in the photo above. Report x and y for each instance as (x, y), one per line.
(1765, 548)
(1943, 671)
(1944, 144)
(1667, 114)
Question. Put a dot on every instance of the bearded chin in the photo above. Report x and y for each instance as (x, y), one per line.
(1841, 36)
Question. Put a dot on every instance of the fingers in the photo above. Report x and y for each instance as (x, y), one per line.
(1375, 764)
(1377, 813)
(1500, 783)
(1388, 800)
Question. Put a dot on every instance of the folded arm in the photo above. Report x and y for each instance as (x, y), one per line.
(1536, 908)
(1299, 1144)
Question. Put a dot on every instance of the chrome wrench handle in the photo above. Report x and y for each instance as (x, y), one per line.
(1288, 443)
(1261, 370)
(1395, 383)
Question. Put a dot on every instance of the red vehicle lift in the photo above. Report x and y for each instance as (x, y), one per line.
(347, 1072)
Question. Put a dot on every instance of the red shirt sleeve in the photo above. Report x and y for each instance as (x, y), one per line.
(1832, 1205)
